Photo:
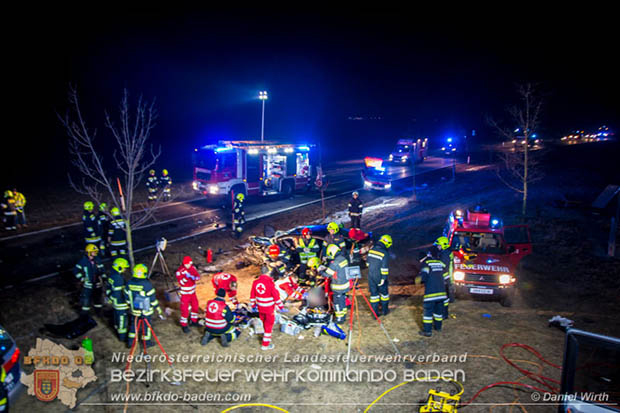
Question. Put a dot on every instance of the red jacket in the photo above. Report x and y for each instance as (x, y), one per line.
(187, 279)
(217, 314)
(223, 280)
(265, 295)
(289, 288)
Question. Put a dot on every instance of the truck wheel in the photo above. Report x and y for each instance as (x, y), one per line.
(506, 301)
(287, 190)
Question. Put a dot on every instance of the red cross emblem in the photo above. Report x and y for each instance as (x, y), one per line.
(260, 288)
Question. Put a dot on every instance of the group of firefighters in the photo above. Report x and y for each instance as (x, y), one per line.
(159, 186)
(321, 262)
(13, 210)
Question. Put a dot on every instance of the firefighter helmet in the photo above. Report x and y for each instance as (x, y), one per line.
(332, 250)
(165, 172)
(103, 207)
(386, 240)
(442, 242)
(314, 263)
(140, 271)
(8, 194)
(115, 212)
(240, 196)
(332, 226)
(274, 250)
(89, 206)
(306, 231)
(152, 172)
(120, 264)
(92, 248)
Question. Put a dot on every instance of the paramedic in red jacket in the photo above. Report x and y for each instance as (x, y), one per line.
(266, 297)
(219, 321)
(228, 282)
(188, 276)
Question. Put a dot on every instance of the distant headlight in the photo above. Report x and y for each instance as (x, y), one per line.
(213, 189)
(391, 157)
(388, 186)
(195, 185)
(367, 184)
(459, 276)
(506, 279)
(405, 158)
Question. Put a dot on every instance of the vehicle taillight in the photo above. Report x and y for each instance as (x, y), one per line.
(12, 361)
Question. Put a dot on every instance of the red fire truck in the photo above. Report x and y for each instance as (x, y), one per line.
(485, 254)
(252, 168)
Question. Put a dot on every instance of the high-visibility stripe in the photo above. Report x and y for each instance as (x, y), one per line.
(343, 264)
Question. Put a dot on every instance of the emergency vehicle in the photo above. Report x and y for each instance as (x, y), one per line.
(252, 168)
(408, 151)
(485, 254)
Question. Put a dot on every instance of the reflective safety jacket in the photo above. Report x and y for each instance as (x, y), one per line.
(217, 315)
(165, 181)
(115, 290)
(279, 266)
(152, 183)
(432, 277)
(265, 295)
(9, 206)
(355, 207)
(89, 272)
(445, 256)
(223, 280)
(20, 201)
(336, 273)
(336, 239)
(187, 279)
(117, 233)
(140, 296)
(91, 227)
(378, 258)
(307, 249)
(104, 223)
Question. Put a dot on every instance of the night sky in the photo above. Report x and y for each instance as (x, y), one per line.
(421, 73)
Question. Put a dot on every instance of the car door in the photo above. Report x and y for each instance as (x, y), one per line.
(518, 242)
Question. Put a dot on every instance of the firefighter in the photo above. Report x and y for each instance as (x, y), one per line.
(90, 272)
(312, 272)
(355, 210)
(117, 238)
(188, 276)
(445, 255)
(165, 184)
(238, 214)
(228, 282)
(104, 225)
(431, 275)
(378, 272)
(10, 211)
(277, 262)
(307, 247)
(335, 237)
(115, 293)
(219, 321)
(152, 184)
(265, 296)
(339, 285)
(4, 395)
(141, 300)
(20, 205)
(92, 234)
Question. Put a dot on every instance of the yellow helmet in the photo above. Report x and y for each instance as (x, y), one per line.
(92, 248)
(152, 172)
(140, 271)
(314, 263)
(8, 194)
(332, 250)
(120, 264)
(115, 212)
(165, 172)
(442, 242)
(103, 207)
(240, 196)
(333, 227)
(386, 240)
(89, 206)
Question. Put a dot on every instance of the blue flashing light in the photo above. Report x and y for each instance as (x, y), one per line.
(3, 348)
(449, 139)
(303, 148)
(223, 149)
(534, 135)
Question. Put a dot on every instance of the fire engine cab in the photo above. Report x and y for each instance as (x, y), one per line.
(252, 168)
(485, 254)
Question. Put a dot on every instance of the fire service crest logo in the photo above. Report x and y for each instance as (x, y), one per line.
(47, 384)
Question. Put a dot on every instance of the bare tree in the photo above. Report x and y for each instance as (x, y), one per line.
(130, 157)
(519, 166)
